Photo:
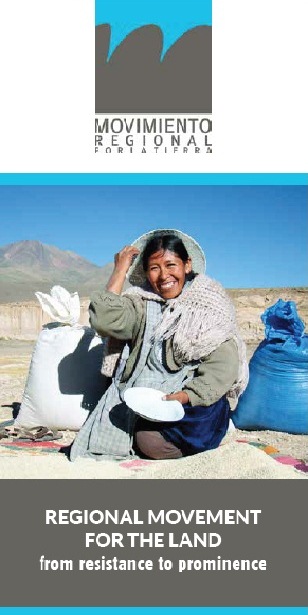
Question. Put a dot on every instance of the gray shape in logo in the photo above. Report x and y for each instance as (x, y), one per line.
(135, 80)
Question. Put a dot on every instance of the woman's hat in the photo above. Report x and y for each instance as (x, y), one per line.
(136, 275)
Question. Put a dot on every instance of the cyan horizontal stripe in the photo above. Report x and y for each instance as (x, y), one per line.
(144, 179)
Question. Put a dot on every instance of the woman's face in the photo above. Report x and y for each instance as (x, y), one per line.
(166, 273)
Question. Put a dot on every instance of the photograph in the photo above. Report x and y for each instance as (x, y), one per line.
(153, 332)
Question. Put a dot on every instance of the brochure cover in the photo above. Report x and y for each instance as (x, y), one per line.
(153, 307)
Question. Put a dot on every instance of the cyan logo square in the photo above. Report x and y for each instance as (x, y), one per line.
(153, 56)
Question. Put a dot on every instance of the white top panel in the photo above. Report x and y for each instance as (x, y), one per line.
(259, 91)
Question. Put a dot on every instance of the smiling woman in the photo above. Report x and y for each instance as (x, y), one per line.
(166, 263)
(180, 337)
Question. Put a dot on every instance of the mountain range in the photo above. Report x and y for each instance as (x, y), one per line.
(28, 266)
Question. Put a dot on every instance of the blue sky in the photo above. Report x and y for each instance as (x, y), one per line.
(174, 18)
(253, 236)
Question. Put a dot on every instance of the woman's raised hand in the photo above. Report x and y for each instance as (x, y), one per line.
(124, 258)
(122, 263)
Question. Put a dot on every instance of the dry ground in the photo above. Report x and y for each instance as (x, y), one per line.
(15, 359)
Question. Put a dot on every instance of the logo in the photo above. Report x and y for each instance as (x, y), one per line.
(153, 76)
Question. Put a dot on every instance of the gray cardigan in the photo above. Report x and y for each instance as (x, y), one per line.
(123, 318)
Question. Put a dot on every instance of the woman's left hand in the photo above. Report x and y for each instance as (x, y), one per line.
(180, 396)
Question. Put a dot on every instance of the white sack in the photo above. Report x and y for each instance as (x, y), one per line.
(65, 380)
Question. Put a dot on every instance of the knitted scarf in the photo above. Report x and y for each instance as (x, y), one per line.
(200, 319)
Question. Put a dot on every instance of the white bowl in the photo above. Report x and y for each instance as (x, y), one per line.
(149, 404)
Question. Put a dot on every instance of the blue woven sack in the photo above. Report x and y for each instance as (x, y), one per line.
(277, 394)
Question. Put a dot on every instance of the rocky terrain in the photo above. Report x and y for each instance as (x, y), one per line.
(24, 320)
(28, 266)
